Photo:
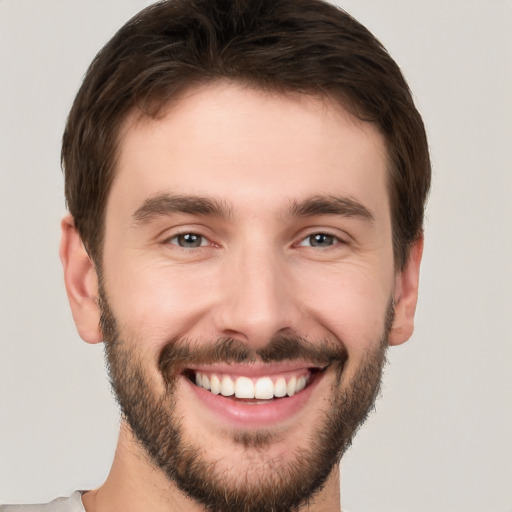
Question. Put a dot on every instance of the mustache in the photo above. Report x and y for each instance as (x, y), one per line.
(181, 353)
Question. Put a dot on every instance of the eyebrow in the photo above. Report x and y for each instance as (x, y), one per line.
(167, 204)
(330, 205)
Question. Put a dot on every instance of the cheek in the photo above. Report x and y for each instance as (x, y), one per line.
(156, 300)
(351, 303)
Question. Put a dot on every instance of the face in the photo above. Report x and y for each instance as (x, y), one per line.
(247, 290)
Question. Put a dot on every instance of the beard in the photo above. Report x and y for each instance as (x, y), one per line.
(265, 485)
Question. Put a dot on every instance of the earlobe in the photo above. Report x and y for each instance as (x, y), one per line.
(406, 296)
(81, 282)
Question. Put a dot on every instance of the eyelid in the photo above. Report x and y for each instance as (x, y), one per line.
(172, 233)
(336, 241)
(340, 238)
(176, 235)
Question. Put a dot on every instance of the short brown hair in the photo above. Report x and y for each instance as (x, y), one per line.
(307, 46)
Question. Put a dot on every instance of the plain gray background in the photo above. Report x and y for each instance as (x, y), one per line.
(441, 438)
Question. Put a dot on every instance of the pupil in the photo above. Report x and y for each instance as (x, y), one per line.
(190, 240)
(321, 239)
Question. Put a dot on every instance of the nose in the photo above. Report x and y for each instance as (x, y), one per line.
(257, 300)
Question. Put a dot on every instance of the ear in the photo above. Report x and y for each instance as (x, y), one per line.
(81, 282)
(406, 296)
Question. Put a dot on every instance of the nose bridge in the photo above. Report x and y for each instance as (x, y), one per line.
(256, 303)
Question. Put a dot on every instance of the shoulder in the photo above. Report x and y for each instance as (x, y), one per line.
(72, 503)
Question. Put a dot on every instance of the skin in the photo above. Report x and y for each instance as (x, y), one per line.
(257, 153)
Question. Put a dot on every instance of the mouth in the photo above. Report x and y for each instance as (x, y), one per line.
(254, 389)
(253, 396)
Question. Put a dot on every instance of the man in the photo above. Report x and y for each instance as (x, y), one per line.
(246, 182)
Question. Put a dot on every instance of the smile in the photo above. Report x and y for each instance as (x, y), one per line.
(261, 388)
(259, 395)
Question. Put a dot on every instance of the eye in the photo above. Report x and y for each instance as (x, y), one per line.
(188, 240)
(319, 240)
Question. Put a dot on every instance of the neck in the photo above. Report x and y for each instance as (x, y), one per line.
(135, 484)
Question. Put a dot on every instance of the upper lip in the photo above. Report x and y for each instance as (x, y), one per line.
(255, 369)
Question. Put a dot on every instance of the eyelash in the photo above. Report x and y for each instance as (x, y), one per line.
(204, 242)
(191, 234)
(334, 240)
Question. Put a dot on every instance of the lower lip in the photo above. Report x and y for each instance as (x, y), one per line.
(255, 415)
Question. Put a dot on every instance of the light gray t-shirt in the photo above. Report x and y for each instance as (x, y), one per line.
(71, 504)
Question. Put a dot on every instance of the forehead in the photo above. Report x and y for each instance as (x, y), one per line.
(242, 145)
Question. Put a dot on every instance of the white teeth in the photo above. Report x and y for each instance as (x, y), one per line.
(205, 382)
(280, 387)
(227, 388)
(244, 387)
(215, 385)
(291, 387)
(301, 383)
(264, 389)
